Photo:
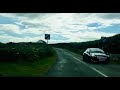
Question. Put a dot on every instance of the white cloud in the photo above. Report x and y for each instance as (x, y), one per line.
(10, 27)
(85, 36)
(33, 31)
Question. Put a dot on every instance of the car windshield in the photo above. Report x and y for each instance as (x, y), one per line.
(96, 51)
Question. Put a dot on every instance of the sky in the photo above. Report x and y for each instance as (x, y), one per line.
(62, 27)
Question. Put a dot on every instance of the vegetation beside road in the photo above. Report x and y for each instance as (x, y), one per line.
(115, 58)
(111, 46)
(26, 59)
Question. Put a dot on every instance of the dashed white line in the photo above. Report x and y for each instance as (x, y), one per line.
(88, 65)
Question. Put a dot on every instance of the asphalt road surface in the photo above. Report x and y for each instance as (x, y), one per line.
(70, 64)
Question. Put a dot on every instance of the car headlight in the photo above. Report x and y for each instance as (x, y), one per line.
(92, 55)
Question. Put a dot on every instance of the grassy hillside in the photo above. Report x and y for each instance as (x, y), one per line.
(26, 59)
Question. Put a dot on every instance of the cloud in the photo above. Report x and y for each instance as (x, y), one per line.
(10, 28)
(32, 31)
(58, 37)
(63, 27)
(110, 16)
(21, 25)
(87, 35)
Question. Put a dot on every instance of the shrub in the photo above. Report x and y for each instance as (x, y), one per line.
(25, 52)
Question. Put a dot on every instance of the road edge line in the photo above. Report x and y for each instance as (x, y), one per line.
(88, 65)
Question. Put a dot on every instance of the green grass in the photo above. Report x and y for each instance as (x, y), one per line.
(32, 69)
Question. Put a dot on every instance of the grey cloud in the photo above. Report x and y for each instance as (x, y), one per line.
(76, 24)
(110, 16)
(33, 15)
(29, 15)
(36, 25)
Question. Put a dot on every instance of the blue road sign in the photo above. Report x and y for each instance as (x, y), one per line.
(47, 36)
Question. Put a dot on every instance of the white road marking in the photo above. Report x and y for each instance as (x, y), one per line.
(88, 65)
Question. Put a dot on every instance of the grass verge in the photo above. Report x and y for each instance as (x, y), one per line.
(29, 69)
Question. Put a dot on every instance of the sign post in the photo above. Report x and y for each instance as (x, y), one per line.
(47, 36)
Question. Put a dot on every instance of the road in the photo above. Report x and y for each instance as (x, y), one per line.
(70, 64)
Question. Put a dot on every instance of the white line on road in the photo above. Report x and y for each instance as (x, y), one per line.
(88, 65)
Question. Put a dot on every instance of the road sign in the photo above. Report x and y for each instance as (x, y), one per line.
(47, 36)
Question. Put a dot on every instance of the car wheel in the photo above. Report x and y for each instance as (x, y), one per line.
(85, 58)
